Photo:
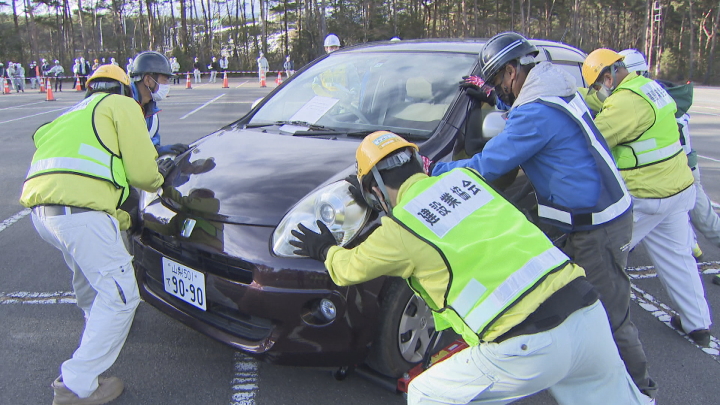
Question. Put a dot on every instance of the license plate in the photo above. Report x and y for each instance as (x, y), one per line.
(184, 283)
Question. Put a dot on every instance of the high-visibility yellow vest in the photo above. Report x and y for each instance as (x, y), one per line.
(662, 140)
(473, 228)
(69, 144)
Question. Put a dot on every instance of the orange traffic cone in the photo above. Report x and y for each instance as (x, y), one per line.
(49, 95)
(6, 88)
(226, 85)
(187, 83)
(78, 87)
(42, 85)
(262, 80)
(278, 81)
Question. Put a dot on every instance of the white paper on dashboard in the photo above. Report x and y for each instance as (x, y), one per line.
(292, 128)
(314, 109)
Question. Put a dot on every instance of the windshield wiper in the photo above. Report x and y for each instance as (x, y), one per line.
(312, 127)
(362, 134)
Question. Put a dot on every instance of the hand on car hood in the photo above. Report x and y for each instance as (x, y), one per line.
(251, 177)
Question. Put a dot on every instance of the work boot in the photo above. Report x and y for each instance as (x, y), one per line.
(700, 336)
(698, 253)
(108, 389)
(716, 279)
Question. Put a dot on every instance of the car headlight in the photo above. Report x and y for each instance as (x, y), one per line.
(332, 204)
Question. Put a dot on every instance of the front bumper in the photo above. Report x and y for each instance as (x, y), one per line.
(258, 307)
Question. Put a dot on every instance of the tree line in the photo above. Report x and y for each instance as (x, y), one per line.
(678, 36)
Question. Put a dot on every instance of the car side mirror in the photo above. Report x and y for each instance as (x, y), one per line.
(493, 124)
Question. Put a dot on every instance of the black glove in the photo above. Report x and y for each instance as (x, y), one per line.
(478, 90)
(165, 166)
(355, 191)
(311, 244)
(174, 149)
(134, 221)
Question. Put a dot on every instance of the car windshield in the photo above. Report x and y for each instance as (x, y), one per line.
(356, 92)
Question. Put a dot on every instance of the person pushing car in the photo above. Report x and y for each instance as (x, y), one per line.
(532, 320)
(550, 133)
(81, 172)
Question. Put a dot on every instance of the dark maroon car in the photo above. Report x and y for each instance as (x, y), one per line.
(214, 251)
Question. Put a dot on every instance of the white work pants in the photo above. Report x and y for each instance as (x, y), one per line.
(104, 282)
(662, 226)
(703, 216)
(197, 74)
(577, 361)
(213, 76)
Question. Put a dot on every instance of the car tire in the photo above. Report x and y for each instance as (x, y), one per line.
(405, 329)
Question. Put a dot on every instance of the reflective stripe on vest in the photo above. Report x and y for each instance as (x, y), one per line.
(662, 140)
(620, 197)
(70, 144)
(473, 228)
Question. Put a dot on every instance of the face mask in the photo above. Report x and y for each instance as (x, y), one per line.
(604, 92)
(162, 91)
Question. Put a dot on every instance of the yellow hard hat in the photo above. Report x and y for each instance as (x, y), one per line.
(372, 156)
(376, 147)
(598, 60)
(110, 72)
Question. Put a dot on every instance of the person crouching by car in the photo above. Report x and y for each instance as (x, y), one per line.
(532, 320)
(84, 164)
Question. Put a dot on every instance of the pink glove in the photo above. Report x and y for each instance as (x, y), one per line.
(426, 165)
(476, 80)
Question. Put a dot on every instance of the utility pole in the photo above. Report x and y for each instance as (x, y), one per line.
(653, 54)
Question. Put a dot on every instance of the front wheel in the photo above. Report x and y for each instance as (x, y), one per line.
(406, 327)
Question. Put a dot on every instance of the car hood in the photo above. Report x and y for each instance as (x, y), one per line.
(252, 177)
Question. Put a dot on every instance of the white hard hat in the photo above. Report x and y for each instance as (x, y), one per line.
(634, 60)
(394, 39)
(332, 40)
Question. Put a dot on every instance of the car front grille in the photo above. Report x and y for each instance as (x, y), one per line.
(217, 264)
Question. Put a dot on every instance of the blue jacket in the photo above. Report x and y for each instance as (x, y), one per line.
(553, 150)
(150, 110)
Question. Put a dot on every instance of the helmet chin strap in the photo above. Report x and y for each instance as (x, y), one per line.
(383, 190)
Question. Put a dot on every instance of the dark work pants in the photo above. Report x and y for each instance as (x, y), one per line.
(603, 253)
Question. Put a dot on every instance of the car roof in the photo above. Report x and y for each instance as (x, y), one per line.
(550, 50)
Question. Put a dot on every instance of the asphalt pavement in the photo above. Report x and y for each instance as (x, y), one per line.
(164, 362)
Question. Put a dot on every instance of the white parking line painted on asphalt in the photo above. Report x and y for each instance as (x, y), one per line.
(199, 108)
(641, 272)
(4, 224)
(20, 106)
(240, 85)
(704, 113)
(663, 313)
(33, 115)
(709, 158)
(245, 380)
(24, 297)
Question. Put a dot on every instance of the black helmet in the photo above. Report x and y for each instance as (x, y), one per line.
(151, 62)
(501, 49)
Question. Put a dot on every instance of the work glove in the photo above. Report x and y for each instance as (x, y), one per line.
(165, 166)
(174, 149)
(427, 165)
(134, 221)
(311, 244)
(355, 191)
(477, 89)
